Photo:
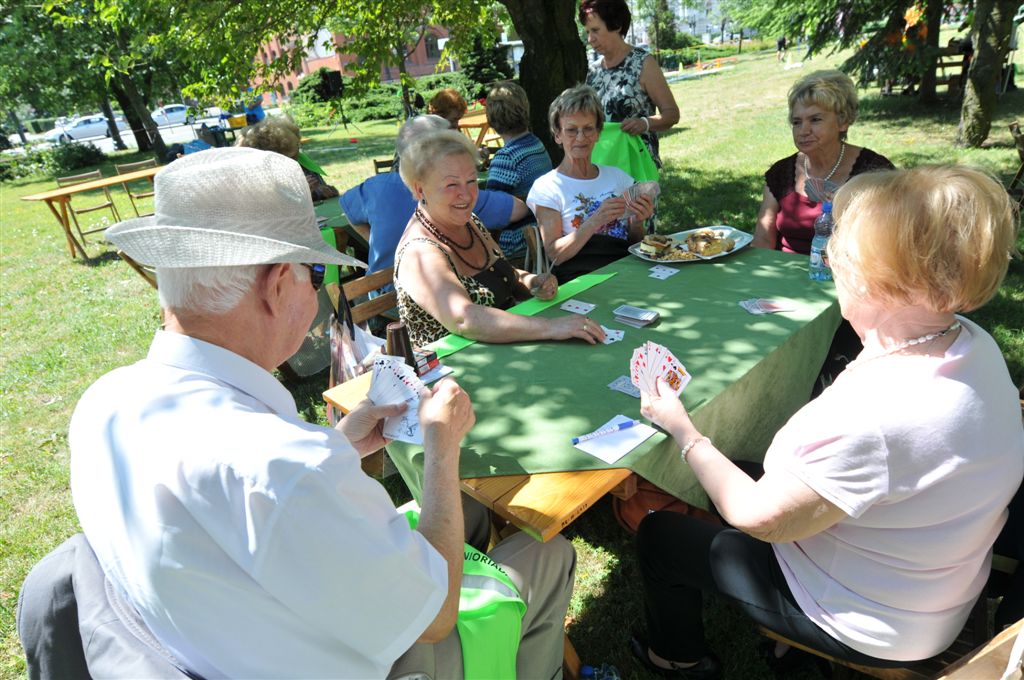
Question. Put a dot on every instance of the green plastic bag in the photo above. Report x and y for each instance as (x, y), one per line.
(626, 152)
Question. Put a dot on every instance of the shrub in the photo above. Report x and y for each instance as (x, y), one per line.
(41, 125)
(32, 162)
(66, 157)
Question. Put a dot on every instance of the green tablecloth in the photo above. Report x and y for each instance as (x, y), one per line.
(750, 373)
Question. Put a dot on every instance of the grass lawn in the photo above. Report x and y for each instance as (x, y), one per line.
(64, 323)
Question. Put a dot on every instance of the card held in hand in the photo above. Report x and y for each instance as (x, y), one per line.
(395, 381)
(652, 361)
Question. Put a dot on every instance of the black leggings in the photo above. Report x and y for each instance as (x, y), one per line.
(681, 556)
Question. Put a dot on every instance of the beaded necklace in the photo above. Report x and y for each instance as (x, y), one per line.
(807, 167)
(920, 340)
(455, 247)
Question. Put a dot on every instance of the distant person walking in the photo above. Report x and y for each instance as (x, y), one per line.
(780, 48)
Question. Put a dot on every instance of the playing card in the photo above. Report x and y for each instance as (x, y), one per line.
(652, 361)
(624, 385)
(766, 306)
(662, 272)
(578, 306)
(611, 335)
(395, 381)
(649, 189)
(636, 313)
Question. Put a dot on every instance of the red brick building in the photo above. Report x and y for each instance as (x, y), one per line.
(421, 61)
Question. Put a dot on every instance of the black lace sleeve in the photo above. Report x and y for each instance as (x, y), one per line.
(869, 161)
(780, 178)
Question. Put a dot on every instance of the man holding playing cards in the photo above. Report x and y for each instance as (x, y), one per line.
(233, 538)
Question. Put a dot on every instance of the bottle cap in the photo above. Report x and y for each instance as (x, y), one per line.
(826, 206)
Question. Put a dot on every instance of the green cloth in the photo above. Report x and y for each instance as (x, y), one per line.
(750, 373)
(331, 271)
(626, 152)
(490, 616)
(310, 164)
(450, 344)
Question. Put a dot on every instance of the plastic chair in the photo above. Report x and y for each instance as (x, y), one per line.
(124, 168)
(76, 211)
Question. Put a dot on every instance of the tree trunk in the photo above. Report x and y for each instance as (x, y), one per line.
(115, 134)
(991, 35)
(147, 135)
(933, 18)
(17, 126)
(553, 57)
(403, 77)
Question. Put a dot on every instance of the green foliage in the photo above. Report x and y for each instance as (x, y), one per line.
(66, 157)
(40, 125)
(313, 88)
(383, 102)
(485, 65)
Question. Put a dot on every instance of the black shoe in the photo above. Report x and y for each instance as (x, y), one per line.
(708, 668)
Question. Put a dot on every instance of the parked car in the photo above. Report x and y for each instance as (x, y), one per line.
(84, 127)
(173, 114)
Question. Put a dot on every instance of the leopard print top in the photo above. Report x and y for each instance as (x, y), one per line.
(491, 287)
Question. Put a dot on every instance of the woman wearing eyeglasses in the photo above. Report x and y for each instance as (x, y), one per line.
(580, 205)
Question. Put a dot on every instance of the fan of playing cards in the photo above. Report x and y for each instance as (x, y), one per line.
(652, 361)
(648, 189)
(395, 381)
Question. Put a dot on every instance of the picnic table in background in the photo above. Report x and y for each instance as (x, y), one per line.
(58, 201)
(750, 374)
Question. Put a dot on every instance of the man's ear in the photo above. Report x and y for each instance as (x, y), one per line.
(272, 286)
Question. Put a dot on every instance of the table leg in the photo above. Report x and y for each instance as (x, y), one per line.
(65, 223)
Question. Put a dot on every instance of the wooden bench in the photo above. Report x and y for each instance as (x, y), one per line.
(951, 69)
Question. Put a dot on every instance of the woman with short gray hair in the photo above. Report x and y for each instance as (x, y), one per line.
(581, 206)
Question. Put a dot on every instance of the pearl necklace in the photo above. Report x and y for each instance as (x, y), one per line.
(920, 340)
(842, 151)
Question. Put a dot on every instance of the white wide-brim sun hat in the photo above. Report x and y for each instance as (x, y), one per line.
(228, 207)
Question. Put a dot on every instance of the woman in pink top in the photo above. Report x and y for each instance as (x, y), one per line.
(822, 107)
(869, 535)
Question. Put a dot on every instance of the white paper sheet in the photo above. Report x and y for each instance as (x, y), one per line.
(612, 447)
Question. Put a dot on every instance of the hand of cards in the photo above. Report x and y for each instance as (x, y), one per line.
(652, 361)
(648, 189)
(395, 381)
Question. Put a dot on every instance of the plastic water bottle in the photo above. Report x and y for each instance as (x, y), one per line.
(819, 269)
(605, 671)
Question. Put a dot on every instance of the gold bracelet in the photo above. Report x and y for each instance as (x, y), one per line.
(686, 449)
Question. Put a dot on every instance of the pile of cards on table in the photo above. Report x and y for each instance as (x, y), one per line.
(395, 381)
(652, 361)
(765, 306)
(634, 316)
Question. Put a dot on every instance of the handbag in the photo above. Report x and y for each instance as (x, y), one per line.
(650, 498)
(352, 349)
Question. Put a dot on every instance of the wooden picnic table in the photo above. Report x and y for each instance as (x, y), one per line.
(751, 373)
(58, 201)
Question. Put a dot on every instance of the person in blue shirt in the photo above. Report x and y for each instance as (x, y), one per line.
(385, 203)
(521, 160)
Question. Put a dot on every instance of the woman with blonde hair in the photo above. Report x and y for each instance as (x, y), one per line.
(869, 537)
(450, 275)
(822, 107)
(281, 135)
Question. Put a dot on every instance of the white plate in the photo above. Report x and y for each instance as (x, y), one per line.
(742, 239)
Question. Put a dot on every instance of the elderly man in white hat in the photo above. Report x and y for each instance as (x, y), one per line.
(235, 539)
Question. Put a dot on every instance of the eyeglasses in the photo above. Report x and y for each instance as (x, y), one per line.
(574, 133)
(316, 274)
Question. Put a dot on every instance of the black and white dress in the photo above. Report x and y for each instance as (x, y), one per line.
(622, 95)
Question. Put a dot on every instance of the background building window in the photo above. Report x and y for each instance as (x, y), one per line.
(430, 42)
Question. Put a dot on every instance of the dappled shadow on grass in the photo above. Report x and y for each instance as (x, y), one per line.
(101, 260)
(697, 196)
(609, 602)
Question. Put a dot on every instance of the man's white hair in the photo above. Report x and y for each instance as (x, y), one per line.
(210, 290)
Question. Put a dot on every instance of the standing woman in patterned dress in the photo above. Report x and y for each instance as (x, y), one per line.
(628, 80)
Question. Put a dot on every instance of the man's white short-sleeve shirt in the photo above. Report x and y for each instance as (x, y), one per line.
(250, 541)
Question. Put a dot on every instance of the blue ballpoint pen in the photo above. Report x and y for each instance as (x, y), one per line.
(605, 430)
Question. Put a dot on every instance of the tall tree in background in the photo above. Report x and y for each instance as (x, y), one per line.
(898, 38)
(990, 31)
(553, 57)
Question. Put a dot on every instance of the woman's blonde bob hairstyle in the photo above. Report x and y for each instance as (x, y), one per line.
(430, 149)
(830, 90)
(935, 236)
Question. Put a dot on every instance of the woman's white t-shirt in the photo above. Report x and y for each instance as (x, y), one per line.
(923, 454)
(577, 199)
